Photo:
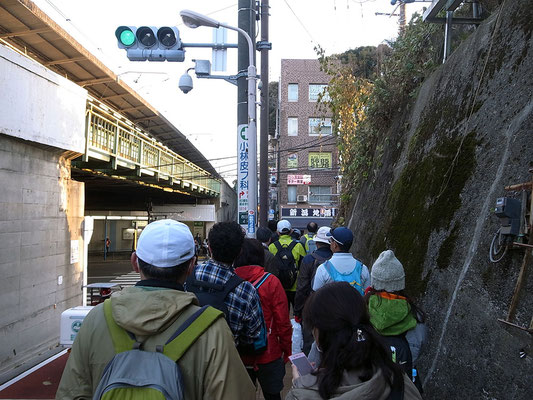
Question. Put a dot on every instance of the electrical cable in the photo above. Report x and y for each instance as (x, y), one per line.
(296, 149)
(301, 23)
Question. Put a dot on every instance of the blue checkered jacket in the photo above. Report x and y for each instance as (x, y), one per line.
(244, 307)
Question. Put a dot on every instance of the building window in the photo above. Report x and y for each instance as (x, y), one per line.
(291, 194)
(292, 126)
(320, 194)
(315, 90)
(319, 160)
(292, 161)
(319, 126)
(293, 92)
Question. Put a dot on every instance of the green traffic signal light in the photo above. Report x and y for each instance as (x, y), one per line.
(150, 43)
(127, 37)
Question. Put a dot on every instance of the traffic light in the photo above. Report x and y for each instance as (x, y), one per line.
(150, 43)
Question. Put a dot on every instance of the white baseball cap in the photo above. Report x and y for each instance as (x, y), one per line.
(321, 234)
(165, 243)
(283, 226)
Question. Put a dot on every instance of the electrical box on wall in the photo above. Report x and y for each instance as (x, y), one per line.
(508, 210)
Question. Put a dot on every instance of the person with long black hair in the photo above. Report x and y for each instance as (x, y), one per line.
(355, 363)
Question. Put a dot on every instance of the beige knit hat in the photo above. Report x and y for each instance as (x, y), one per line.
(387, 273)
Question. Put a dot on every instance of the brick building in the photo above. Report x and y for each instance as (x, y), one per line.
(307, 160)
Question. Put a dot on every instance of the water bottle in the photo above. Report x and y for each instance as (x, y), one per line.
(297, 338)
(414, 374)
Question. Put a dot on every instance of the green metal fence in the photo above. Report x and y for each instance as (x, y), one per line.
(127, 145)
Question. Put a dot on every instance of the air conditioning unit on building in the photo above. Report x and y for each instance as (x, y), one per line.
(301, 198)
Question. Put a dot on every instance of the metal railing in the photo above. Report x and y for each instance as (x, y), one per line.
(111, 134)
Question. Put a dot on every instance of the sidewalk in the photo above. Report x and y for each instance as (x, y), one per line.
(39, 382)
(42, 381)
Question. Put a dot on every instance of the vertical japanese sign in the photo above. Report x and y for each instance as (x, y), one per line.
(242, 174)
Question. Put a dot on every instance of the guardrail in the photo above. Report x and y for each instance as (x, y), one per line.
(110, 136)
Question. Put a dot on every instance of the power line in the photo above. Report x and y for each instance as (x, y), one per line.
(301, 23)
(294, 149)
(312, 144)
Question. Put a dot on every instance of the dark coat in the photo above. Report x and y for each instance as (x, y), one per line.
(306, 275)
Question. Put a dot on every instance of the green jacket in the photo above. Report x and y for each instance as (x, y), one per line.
(298, 252)
(211, 368)
(351, 388)
(390, 317)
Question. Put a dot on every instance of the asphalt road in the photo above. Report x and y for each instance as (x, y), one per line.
(100, 270)
(104, 271)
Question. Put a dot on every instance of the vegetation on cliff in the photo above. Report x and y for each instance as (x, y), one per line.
(370, 95)
(369, 87)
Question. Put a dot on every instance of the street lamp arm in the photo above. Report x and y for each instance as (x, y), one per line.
(194, 20)
(248, 39)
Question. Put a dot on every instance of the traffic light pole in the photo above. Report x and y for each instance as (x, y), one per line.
(246, 107)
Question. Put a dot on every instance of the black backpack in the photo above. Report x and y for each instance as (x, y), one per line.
(212, 294)
(401, 353)
(287, 265)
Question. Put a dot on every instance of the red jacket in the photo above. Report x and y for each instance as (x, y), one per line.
(275, 310)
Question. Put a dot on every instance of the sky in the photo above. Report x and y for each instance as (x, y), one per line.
(207, 115)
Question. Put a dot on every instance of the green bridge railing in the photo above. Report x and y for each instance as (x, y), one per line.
(111, 137)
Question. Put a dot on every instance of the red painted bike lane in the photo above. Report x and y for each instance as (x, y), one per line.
(39, 382)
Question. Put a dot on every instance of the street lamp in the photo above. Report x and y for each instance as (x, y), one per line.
(194, 20)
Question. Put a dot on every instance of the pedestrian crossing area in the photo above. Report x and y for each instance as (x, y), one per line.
(121, 281)
(129, 279)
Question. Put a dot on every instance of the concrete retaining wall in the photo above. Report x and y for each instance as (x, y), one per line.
(41, 214)
(41, 208)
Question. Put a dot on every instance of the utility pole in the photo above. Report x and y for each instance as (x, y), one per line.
(402, 20)
(263, 150)
(402, 16)
(246, 21)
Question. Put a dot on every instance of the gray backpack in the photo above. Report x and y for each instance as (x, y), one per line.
(137, 374)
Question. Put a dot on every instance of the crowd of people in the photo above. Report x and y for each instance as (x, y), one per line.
(214, 330)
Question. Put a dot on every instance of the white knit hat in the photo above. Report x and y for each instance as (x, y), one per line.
(387, 273)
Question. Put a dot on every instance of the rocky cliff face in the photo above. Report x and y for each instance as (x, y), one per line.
(468, 134)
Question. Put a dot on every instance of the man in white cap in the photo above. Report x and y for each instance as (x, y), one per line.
(290, 254)
(152, 311)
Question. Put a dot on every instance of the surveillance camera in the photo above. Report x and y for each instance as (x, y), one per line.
(185, 83)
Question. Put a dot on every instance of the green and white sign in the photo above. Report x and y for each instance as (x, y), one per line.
(242, 174)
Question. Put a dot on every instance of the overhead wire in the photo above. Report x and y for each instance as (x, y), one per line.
(300, 21)
(298, 149)
(320, 141)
